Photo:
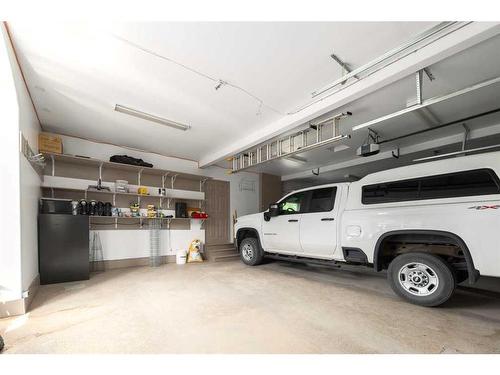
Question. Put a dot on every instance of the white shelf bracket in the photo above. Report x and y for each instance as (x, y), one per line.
(172, 180)
(139, 177)
(100, 171)
(53, 165)
(163, 179)
(202, 183)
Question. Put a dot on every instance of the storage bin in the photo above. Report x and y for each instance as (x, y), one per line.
(181, 257)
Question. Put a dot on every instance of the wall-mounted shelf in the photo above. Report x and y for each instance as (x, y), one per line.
(52, 157)
(143, 218)
(113, 220)
(81, 185)
(70, 176)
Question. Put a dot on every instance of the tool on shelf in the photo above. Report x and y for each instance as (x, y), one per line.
(99, 186)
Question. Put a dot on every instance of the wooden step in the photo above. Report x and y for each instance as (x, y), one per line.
(217, 254)
(219, 246)
(219, 251)
(226, 258)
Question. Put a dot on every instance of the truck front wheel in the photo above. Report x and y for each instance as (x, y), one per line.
(421, 278)
(250, 252)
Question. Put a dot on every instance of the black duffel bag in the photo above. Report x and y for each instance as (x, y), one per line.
(125, 159)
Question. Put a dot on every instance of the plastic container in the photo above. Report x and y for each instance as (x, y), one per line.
(181, 256)
(121, 186)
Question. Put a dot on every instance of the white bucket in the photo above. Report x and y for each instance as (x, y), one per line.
(181, 257)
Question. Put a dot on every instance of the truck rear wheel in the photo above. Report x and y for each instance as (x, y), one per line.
(422, 279)
(250, 252)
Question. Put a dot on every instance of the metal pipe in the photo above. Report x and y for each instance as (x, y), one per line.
(441, 126)
(443, 26)
(458, 153)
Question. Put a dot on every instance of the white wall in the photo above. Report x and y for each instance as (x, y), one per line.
(10, 224)
(29, 180)
(20, 184)
(123, 244)
(126, 244)
(30, 194)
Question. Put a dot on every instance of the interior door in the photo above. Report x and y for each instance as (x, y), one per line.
(318, 228)
(282, 232)
(217, 208)
(270, 190)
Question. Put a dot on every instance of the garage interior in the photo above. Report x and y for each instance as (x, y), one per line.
(225, 119)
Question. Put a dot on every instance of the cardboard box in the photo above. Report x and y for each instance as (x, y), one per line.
(49, 143)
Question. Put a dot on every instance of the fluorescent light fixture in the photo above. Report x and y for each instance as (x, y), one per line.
(149, 117)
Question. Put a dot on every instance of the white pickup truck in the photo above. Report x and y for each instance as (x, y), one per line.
(430, 225)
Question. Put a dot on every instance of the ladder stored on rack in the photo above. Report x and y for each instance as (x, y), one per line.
(318, 134)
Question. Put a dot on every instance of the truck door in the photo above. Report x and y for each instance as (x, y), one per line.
(318, 228)
(281, 233)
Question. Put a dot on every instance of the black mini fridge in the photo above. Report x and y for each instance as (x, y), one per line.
(63, 248)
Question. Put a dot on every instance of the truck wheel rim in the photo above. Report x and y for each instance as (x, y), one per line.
(247, 251)
(418, 279)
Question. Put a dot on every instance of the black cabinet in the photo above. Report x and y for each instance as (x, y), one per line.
(63, 248)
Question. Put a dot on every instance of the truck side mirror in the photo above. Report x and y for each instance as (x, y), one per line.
(273, 210)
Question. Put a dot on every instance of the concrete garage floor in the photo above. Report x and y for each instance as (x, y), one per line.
(230, 308)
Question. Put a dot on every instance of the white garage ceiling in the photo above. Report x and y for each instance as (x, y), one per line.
(76, 74)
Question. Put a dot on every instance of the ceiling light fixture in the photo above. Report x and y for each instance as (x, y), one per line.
(149, 117)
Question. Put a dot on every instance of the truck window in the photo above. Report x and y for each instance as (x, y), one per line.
(322, 200)
(293, 204)
(390, 192)
(450, 185)
(478, 182)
